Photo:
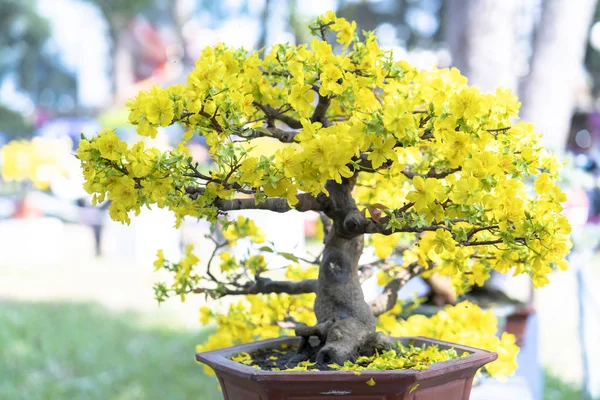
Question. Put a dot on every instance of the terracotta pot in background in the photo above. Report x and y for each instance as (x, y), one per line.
(449, 380)
(516, 323)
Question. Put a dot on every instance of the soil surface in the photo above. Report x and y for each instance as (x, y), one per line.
(285, 358)
(288, 357)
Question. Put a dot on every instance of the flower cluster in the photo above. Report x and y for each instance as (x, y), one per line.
(464, 323)
(451, 157)
(38, 160)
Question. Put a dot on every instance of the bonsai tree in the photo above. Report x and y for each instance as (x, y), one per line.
(415, 163)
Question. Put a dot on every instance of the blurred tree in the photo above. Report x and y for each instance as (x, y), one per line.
(178, 19)
(547, 93)
(24, 54)
(592, 58)
(262, 40)
(481, 36)
(118, 14)
(414, 24)
(13, 124)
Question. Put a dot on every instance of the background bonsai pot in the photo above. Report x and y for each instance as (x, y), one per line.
(449, 380)
(516, 323)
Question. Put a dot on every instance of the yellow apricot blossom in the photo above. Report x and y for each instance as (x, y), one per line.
(109, 145)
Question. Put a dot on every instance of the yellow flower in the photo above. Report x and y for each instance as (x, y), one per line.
(543, 184)
(465, 191)
(159, 108)
(328, 17)
(382, 150)
(109, 145)
(511, 209)
(251, 174)
(158, 189)
(228, 262)
(140, 163)
(506, 102)
(205, 315)
(301, 98)
(160, 260)
(466, 104)
(444, 241)
(84, 150)
(426, 192)
(118, 213)
(123, 192)
(397, 120)
(345, 31)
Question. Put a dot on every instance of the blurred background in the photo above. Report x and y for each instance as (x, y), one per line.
(77, 314)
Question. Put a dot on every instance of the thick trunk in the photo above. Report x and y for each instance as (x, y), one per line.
(482, 38)
(346, 325)
(340, 301)
(548, 92)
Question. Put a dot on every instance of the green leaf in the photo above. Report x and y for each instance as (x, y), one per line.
(266, 249)
(263, 131)
(460, 234)
(289, 256)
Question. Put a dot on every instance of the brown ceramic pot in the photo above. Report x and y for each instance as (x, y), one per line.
(448, 380)
(516, 323)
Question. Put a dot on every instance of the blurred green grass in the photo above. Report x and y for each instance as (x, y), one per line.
(557, 389)
(60, 350)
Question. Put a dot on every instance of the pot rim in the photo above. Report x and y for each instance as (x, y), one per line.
(220, 360)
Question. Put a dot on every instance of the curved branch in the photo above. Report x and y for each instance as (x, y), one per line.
(431, 174)
(388, 299)
(366, 165)
(266, 286)
(271, 114)
(481, 243)
(320, 112)
(381, 227)
(272, 132)
(481, 228)
(306, 202)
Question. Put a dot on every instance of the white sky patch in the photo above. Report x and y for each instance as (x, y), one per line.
(312, 8)
(15, 99)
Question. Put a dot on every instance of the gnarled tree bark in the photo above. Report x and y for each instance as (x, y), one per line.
(346, 324)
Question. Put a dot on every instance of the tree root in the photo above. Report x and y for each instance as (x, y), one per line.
(341, 340)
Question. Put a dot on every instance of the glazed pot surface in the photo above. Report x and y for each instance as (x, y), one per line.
(448, 380)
